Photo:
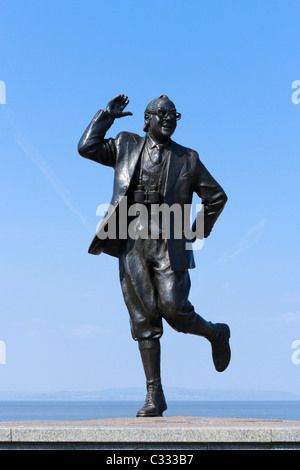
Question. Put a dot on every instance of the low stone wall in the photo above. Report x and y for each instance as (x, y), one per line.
(170, 433)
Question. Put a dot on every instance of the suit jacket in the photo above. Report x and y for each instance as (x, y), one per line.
(186, 175)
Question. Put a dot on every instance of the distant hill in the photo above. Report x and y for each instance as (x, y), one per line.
(133, 394)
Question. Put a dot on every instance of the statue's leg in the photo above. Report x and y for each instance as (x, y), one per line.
(139, 292)
(140, 295)
(155, 403)
(173, 301)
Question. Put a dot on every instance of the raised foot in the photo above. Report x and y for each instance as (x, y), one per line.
(221, 352)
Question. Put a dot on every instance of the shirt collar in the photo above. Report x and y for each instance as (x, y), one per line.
(153, 143)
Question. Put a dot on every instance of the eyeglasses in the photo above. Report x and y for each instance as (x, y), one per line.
(164, 113)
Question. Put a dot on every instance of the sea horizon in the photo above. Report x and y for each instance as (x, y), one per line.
(113, 403)
(138, 393)
(85, 410)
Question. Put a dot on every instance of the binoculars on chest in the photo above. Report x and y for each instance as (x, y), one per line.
(146, 196)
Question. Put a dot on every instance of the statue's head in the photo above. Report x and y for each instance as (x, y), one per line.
(161, 118)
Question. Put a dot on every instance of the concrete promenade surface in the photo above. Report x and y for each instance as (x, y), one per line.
(178, 432)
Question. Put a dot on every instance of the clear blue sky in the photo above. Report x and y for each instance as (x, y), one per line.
(229, 68)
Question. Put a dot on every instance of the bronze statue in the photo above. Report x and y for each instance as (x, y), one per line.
(151, 171)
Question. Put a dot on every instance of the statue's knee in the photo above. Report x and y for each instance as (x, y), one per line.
(180, 321)
(168, 310)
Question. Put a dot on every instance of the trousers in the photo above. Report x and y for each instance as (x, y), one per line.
(152, 291)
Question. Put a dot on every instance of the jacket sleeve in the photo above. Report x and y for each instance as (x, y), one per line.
(212, 195)
(93, 145)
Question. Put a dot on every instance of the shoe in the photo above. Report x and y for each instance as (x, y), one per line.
(220, 347)
(155, 403)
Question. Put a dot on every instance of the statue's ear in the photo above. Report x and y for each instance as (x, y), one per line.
(147, 121)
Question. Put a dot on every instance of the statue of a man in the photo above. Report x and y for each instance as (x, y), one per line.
(154, 270)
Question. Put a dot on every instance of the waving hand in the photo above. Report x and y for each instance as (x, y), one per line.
(116, 106)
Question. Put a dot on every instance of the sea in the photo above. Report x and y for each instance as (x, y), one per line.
(28, 410)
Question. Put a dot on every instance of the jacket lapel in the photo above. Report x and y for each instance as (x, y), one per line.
(134, 150)
(175, 164)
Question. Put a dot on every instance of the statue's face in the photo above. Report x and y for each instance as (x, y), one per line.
(162, 120)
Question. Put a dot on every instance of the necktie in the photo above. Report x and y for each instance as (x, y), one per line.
(157, 154)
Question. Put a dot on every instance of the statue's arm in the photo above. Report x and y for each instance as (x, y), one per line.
(212, 195)
(93, 144)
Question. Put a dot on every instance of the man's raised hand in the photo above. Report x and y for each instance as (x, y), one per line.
(116, 106)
